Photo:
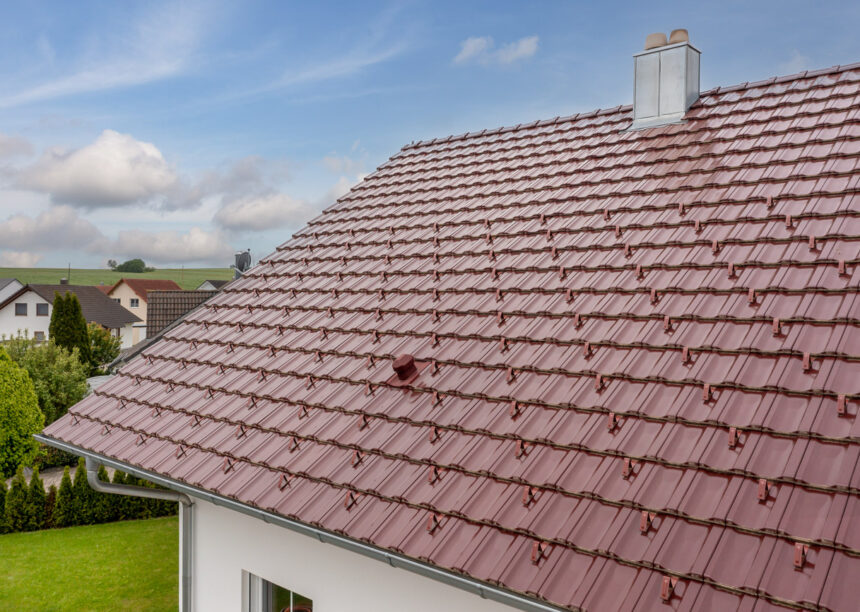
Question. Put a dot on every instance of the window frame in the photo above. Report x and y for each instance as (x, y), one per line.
(134, 303)
(39, 336)
(257, 596)
(18, 306)
(46, 309)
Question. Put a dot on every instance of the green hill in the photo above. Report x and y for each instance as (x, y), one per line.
(189, 278)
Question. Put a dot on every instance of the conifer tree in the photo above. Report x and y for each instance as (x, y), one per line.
(16, 503)
(64, 508)
(68, 328)
(50, 504)
(83, 496)
(35, 503)
(104, 509)
(122, 503)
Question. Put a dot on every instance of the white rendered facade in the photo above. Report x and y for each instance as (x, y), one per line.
(227, 543)
(31, 323)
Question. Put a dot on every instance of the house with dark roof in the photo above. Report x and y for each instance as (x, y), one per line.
(133, 294)
(606, 361)
(8, 286)
(28, 311)
(212, 285)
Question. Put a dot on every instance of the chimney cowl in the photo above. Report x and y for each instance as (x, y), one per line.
(64, 281)
(666, 79)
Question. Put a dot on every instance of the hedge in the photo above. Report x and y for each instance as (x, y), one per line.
(27, 507)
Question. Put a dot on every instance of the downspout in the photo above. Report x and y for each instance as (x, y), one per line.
(185, 521)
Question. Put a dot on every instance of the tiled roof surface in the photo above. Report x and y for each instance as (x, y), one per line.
(95, 305)
(165, 307)
(638, 359)
(141, 286)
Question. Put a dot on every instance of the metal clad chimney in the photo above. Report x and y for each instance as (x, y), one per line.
(666, 79)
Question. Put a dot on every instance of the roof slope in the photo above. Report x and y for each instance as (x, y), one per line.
(143, 285)
(637, 350)
(165, 307)
(95, 305)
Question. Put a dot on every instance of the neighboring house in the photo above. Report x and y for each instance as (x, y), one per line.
(212, 285)
(8, 286)
(29, 310)
(165, 307)
(132, 293)
(567, 364)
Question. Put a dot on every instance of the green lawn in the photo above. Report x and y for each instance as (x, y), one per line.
(189, 278)
(130, 565)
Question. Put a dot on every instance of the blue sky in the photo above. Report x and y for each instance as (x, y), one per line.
(181, 131)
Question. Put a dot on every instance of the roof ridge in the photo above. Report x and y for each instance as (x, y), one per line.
(624, 107)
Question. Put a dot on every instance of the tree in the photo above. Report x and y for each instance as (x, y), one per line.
(50, 504)
(35, 503)
(16, 503)
(111, 264)
(59, 378)
(104, 509)
(103, 346)
(64, 510)
(20, 416)
(83, 496)
(133, 265)
(68, 328)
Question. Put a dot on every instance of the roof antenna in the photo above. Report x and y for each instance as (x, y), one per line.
(243, 263)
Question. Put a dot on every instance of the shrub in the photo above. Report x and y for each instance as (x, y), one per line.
(103, 346)
(64, 509)
(20, 416)
(83, 496)
(133, 265)
(36, 500)
(59, 378)
(16, 503)
(104, 506)
(50, 504)
(68, 328)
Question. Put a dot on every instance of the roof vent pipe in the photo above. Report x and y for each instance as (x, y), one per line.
(666, 81)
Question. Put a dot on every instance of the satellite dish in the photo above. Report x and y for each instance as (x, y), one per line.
(243, 262)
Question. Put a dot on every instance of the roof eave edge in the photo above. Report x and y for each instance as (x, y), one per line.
(473, 586)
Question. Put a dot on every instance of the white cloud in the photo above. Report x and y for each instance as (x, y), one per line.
(195, 246)
(57, 228)
(114, 170)
(19, 259)
(473, 47)
(263, 212)
(11, 146)
(482, 50)
(520, 49)
(154, 46)
(797, 63)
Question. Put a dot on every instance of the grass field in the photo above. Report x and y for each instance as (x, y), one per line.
(187, 279)
(131, 565)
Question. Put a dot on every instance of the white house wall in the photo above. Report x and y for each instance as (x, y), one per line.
(11, 324)
(337, 580)
(9, 290)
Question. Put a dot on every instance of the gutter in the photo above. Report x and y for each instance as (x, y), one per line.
(476, 587)
(185, 518)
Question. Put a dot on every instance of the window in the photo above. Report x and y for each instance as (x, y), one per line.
(20, 310)
(265, 596)
(41, 310)
(134, 302)
(116, 300)
(39, 336)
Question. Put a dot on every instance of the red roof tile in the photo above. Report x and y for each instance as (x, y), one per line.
(143, 285)
(641, 377)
